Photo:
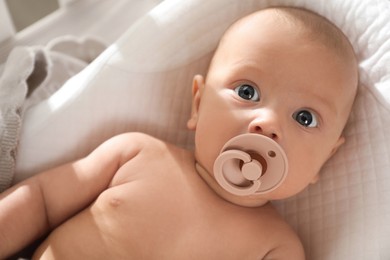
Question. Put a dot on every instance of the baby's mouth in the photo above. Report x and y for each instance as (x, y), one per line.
(250, 164)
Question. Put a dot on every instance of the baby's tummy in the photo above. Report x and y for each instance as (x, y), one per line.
(108, 229)
(81, 237)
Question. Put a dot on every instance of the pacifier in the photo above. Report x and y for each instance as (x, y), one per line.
(250, 164)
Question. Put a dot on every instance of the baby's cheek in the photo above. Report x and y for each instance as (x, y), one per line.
(302, 163)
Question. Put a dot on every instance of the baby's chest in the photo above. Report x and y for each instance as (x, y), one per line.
(166, 221)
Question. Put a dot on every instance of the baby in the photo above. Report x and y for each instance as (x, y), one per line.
(284, 73)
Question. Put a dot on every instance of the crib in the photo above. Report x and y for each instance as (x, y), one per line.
(88, 93)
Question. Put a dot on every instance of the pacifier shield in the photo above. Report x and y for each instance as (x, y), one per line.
(250, 164)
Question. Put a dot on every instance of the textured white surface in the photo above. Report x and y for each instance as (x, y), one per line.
(142, 83)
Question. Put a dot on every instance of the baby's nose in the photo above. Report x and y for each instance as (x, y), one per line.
(265, 126)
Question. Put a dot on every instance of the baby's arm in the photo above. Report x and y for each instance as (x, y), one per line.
(31, 208)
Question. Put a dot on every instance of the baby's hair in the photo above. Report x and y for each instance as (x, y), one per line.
(317, 28)
(312, 26)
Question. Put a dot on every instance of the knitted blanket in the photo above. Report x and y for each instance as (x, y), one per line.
(30, 75)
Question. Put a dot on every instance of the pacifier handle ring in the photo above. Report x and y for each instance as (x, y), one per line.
(219, 173)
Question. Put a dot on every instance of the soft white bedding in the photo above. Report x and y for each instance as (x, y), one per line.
(142, 83)
(102, 19)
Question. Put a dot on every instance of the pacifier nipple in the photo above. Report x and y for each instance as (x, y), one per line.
(250, 164)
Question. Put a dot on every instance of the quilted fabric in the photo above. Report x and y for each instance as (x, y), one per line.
(142, 83)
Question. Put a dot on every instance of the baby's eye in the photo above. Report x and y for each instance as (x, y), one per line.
(247, 92)
(306, 118)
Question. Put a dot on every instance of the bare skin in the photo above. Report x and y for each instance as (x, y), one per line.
(146, 213)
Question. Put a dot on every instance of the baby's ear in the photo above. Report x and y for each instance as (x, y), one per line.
(315, 178)
(197, 90)
(337, 145)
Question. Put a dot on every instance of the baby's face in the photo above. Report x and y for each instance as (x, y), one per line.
(270, 81)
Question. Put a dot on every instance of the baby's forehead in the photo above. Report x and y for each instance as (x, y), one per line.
(296, 20)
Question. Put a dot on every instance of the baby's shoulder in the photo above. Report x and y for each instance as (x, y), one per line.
(128, 145)
(133, 139)
(136, 143)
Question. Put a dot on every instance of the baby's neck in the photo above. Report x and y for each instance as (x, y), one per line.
(245, 201)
